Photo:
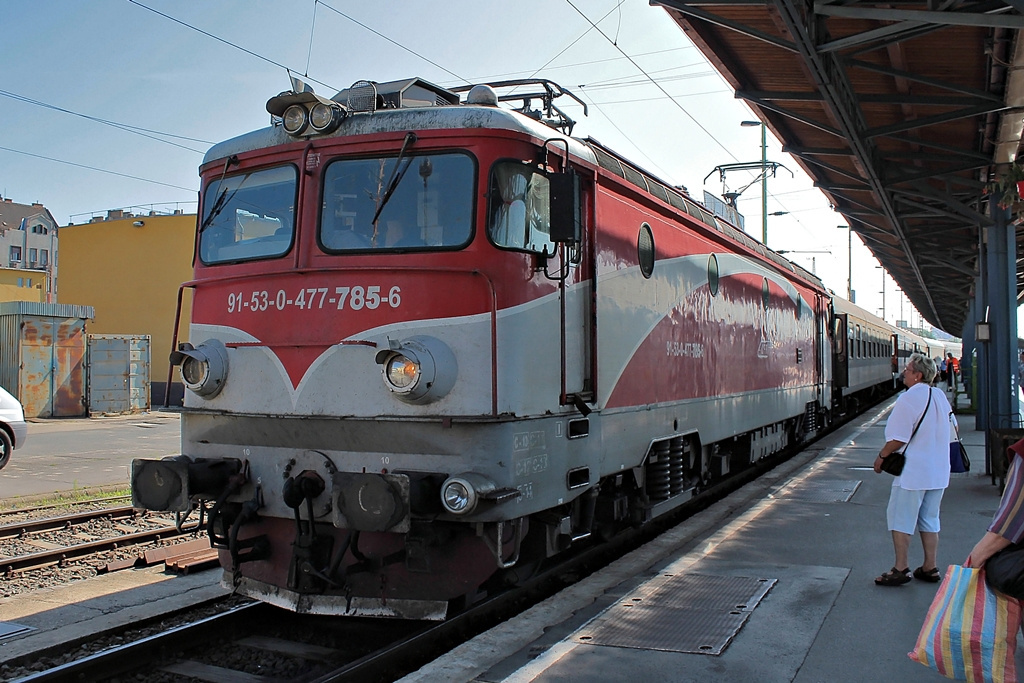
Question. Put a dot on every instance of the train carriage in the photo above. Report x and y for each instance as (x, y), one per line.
(435, 342)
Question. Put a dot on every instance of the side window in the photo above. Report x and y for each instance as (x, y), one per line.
(519, 213)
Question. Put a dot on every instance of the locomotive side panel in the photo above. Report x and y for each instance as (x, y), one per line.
(713, 340)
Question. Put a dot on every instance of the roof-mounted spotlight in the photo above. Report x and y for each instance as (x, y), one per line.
(300, 111)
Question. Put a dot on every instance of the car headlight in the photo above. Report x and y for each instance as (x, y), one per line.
(295, 119)
(419, 369)
(325, 117)
(204, 369)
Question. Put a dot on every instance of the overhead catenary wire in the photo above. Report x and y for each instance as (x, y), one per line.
(390, 40)
(678, 105)
(95, 168)
(228, 42)
(128, 128)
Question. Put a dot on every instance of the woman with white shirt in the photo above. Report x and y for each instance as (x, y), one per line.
(920, 422)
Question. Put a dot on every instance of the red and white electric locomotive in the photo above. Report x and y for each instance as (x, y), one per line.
(434, 342)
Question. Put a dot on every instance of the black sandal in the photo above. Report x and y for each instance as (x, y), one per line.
(931, 576)
(894, 577)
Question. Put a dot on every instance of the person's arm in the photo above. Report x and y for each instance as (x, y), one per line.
(989, 545)
(888, 449)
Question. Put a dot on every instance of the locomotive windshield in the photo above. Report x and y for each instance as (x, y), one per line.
(430, 207)
(248, 216)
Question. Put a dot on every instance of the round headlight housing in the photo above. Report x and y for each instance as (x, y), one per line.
(295, 119)
(324, 117)
(204, 369)
(419, 369)
(461, 494)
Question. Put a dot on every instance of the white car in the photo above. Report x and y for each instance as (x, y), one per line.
(13, 429)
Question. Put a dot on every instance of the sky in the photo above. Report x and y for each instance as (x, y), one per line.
(111, 104)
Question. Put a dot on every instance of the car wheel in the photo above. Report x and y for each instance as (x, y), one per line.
(5, 448)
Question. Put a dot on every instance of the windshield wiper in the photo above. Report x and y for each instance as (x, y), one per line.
(396, 175)
(222, 198)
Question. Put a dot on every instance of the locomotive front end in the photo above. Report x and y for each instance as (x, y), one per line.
(342, 431)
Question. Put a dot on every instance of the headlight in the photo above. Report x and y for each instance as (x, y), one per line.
(194, 371)
(401, 372)
(419, 369)
(295, 119)
(324, 118)
(204, 369)
(456, 496)
(461, 494)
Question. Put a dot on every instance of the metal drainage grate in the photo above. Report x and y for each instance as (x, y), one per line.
(828, 491)
(688, 613)
(8, 629)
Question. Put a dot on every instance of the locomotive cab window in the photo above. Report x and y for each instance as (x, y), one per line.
(391, 203)
(520, 208)
(248, 216)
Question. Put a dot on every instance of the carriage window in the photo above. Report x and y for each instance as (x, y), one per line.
(248, 216)
(520, 213)
(429, 205)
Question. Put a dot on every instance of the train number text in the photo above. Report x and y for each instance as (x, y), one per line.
(316, 298)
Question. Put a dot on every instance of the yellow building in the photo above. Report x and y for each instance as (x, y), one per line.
(129, 267)
(18, 284)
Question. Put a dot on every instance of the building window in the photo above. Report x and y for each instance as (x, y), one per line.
(21, 282)
(44, 257)
(16, 253)
(33, 254)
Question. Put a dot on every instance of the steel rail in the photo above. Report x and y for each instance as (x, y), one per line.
(44, 558)
(68, 521)
(63, 504)
(127, 657)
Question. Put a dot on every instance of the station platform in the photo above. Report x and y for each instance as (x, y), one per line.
(774, 583)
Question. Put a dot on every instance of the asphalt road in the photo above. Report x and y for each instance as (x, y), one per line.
(68, 454)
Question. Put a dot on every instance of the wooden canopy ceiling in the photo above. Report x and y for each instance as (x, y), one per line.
(901, 112)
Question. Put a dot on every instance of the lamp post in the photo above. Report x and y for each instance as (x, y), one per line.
(882, 268)
(849, 262)
(764, 177)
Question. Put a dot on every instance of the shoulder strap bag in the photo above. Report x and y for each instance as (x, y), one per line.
(893, 464)
(958, 460)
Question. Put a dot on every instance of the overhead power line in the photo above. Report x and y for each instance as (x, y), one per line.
(128, 128)
(94, 168)
(393, 42)
(227, 42)
(652, 80)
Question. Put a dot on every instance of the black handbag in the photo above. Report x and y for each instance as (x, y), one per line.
(1004, 571)
(894, 462)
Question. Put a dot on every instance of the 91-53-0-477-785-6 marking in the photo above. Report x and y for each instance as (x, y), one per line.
(357, 298)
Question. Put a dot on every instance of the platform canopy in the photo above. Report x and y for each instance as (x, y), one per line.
(903, 113)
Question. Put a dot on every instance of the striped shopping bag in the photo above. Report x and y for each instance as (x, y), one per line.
(970, 631)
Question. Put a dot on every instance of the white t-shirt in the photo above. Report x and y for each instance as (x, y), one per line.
(928, 452)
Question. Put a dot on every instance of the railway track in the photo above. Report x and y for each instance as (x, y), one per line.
(258, 642)
(45, 551)
(32, 544)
